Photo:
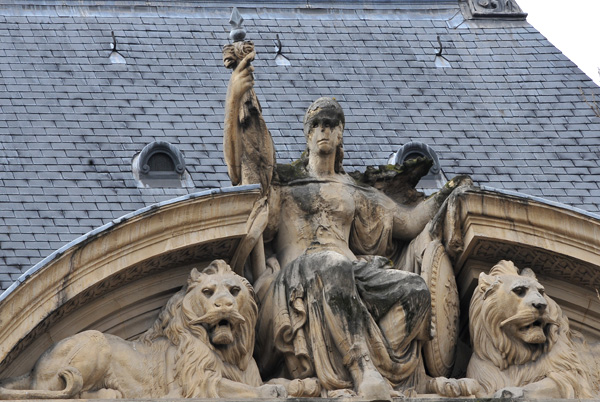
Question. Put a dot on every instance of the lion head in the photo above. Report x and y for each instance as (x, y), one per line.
(211, 320)
(512, 313)
(516, 327)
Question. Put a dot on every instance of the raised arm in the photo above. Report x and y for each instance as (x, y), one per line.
(247, 143)
(240, 82)
(248, 147)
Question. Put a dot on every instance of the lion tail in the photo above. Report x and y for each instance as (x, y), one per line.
(73, 385)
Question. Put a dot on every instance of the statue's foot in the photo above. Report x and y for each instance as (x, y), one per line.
(374, 387)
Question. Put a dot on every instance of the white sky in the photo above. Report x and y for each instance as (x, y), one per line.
(573, 26)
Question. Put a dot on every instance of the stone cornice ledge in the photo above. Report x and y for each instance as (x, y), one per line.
(506, 217)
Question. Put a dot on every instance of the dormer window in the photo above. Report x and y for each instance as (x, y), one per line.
(161, 164)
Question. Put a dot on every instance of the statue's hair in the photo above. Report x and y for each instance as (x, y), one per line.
(200, 365)
(523, 363)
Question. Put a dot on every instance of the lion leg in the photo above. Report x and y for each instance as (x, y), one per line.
(103, 393)
(546, 388)
(299, 388)
(75, 364)
(73, 383)
(89, 352)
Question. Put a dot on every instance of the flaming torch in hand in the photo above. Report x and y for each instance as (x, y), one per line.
(247, 143)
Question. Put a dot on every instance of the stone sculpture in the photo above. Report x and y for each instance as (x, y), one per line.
(332, 306)
(522, 343)
(200, 346)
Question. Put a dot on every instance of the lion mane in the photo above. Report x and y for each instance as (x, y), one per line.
(500, 360)
(199, 363)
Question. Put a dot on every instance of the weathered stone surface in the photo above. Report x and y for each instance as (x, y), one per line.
(115, 271)
(200, 346)
(350, 272)
(559, 244)
(522, 344)
(330, 308)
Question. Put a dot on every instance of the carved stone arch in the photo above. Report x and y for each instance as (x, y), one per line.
(117, 277)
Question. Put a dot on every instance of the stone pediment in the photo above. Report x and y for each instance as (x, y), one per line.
(118, 277)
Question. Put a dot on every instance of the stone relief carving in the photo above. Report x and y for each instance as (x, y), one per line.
(200, 346)
(522, 343)
(332, 306)
(439, 275)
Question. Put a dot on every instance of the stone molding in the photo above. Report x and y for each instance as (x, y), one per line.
(503, 9)
(561, 245)
(502, 218)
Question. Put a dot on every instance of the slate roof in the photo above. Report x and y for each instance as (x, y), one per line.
(510, 111)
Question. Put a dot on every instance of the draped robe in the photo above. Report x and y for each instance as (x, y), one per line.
(316, 309)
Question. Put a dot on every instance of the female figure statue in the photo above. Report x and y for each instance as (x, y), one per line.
(331, 305)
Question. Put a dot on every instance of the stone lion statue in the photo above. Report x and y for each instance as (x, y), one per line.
(200, 346)
(522, 344)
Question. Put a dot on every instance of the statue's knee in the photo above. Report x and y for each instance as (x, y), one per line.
(419, 293)
(340, 274)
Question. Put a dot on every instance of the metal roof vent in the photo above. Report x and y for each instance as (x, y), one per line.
(440, 60)
(280, 59)
(115, 57)
(434, 179)
(161, 164)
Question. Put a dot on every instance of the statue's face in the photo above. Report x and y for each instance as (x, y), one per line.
(324, 135)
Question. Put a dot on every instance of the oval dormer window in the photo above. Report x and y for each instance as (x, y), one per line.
(160, 164)
(435, 178)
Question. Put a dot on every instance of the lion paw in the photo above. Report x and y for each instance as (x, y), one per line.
(103, 393)
(509, 392)
(453, 388)
(308, 387)
(272, 391)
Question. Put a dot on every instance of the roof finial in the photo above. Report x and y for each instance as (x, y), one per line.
(238, 33)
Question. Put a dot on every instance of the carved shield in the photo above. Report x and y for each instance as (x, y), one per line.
(437, 271)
